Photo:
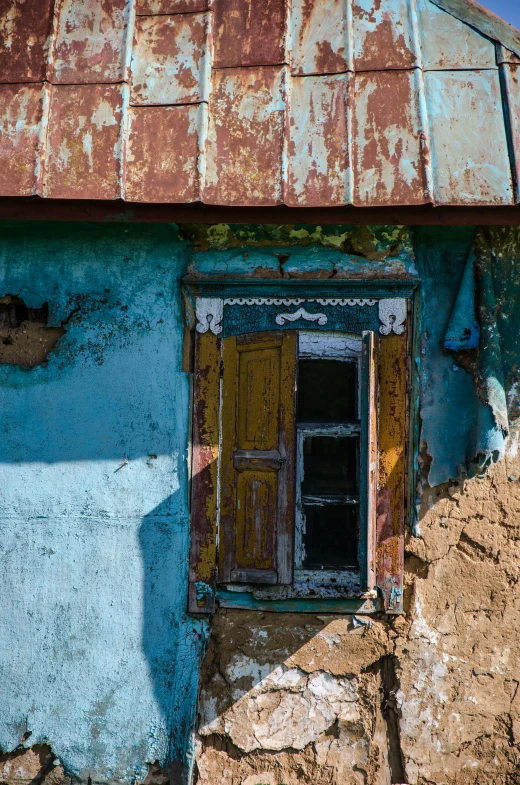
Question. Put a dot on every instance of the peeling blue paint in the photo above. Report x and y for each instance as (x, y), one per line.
(99, 655)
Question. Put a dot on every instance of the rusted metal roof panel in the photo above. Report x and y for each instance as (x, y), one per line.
(260, 102)
(19, 138)
(162, 151)
(383, 35)
(387, 136)
(170, 61)
(82, 156)
(468, 138)
(249, 32)
(90, 41)
(320, 37)
(448, 43)
(245, 137)
(24, 37)
(511, 76)
(319, 168)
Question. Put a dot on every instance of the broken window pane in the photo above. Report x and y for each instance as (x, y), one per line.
(327, 391)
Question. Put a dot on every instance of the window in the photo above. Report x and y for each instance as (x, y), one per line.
(298, 479)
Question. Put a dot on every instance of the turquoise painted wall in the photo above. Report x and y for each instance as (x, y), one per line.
(97, 655)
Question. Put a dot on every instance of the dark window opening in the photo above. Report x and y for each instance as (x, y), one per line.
(327, 391)
(329, 458)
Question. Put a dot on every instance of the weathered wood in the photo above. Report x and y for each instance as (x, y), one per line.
(257, 468)
(392, 464)
(204, 484)
(369, 457)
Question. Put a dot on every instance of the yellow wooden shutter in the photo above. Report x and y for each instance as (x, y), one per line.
(258, 458)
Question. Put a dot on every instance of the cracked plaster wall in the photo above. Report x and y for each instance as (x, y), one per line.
(429, 698)
(102, 662)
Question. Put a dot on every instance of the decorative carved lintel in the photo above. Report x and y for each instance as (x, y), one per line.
(301, 313)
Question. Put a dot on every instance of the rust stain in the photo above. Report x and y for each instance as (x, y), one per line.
(249, 32)
(161, 161)
(319, 165)
(319, 37)
(20, 119)
(25, 28)
(383, 36)
(387, 140)
(83, 142)
(90, 42)
(168, 61)
(144, 7)
(245, 137)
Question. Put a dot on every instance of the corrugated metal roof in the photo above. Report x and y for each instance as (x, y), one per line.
(259, 102)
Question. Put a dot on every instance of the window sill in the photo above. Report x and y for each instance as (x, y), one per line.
(248, 598)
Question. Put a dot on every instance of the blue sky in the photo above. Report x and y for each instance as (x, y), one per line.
(507, 9)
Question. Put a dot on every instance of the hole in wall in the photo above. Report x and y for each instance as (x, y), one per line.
(26, 339)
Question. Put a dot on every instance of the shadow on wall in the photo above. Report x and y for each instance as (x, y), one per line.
(172, 641)
(293, 698)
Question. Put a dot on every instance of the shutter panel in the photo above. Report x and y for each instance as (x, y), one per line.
(369, 457)
(393, 366)
(258, 458)
(204, 483)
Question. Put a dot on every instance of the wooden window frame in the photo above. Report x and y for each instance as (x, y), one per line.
(386, 506)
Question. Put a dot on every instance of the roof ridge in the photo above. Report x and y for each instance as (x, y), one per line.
(483, 20)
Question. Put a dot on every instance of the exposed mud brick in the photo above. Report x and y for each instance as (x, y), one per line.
(382, 35)
(25, 337)
(249, 32)
(25, 27)
(387, 140)
(319, 167)
(170, 62)
(90, 41)
(245, 137)
(20, 125)
(161, 163)
(319, 37)
(277, 705)
(83, 142)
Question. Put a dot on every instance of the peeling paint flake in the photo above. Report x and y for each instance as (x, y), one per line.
(90, 41)
(245, 137)
(319, 37)
(83, 142)
(469, 146)
(162, 154)
(249, 32)
(25, 28)
(318, 160)
(170, 59)
(382, 34)
(447, 43)
(20, 118)
(387, 140)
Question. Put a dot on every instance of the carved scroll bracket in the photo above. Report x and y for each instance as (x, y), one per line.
(392, 315)
(209, 312)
